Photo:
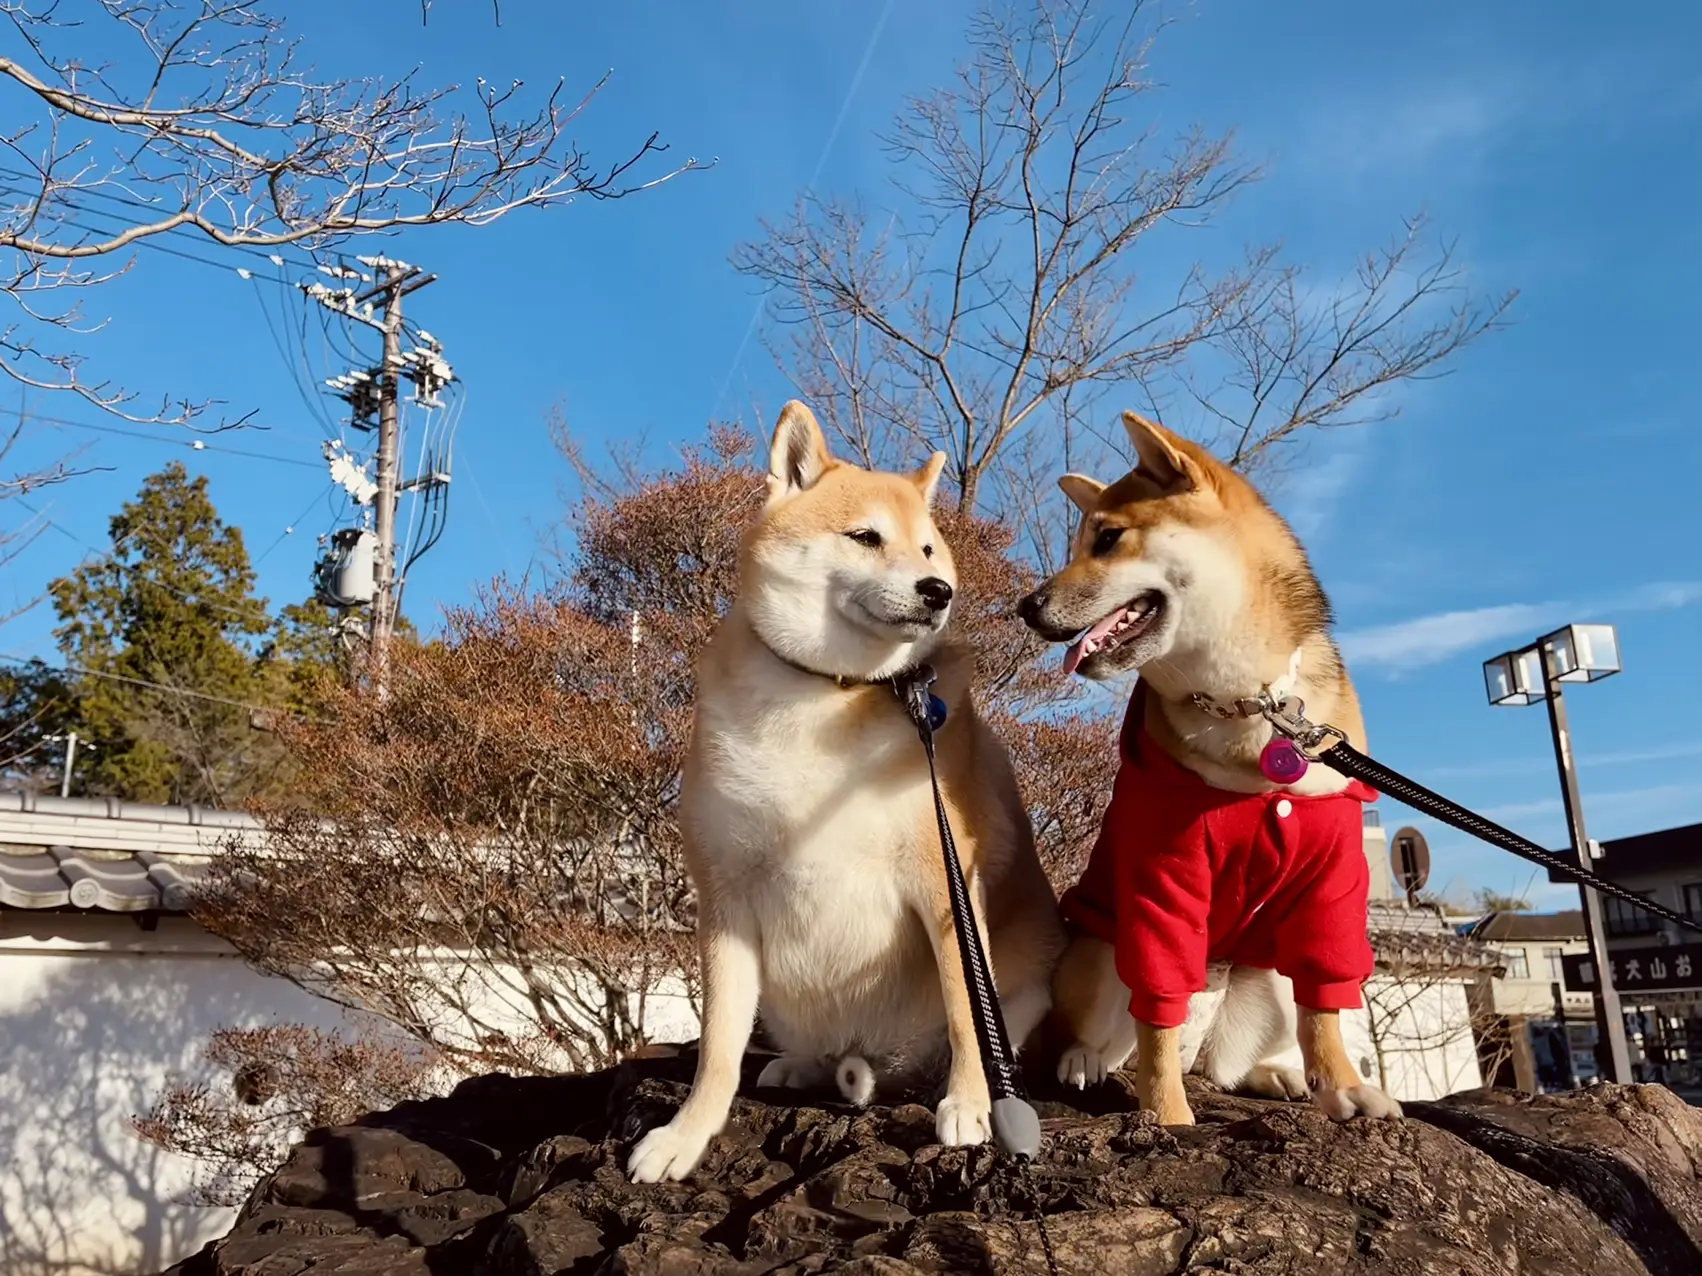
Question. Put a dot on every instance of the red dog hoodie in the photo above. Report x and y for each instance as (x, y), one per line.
(1184, 874)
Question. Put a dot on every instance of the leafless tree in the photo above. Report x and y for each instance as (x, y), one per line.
(274, 1084)
(1010, 288)
(208, 126)
(488, 858)
(1425, 978)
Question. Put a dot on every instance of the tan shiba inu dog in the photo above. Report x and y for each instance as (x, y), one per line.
(1182, 571)
(808, 818)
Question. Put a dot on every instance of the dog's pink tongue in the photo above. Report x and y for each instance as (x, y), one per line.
(1083, 647)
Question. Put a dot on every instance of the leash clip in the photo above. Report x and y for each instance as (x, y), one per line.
(1287, 717)
(926, 710)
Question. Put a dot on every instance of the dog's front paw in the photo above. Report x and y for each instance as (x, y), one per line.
(792, 1072)
(1173, 1110)
(1269, 1081)
(669, 1151)
(1345, 1102)
(1083, 1066)
(960, 1120)
(1167, 1102)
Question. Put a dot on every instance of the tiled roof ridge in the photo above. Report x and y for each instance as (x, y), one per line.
(15, 800)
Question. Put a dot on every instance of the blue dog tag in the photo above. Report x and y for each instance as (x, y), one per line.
(936, 712)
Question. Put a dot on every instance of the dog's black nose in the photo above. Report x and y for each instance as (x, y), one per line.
(935, 592)
(1031, 606)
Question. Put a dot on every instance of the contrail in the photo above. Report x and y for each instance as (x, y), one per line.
(815, 176)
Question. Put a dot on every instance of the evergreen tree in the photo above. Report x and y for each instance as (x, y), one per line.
(164, 637)
(38, 706)
(304, 649)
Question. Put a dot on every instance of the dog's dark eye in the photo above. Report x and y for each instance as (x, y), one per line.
(1107, 539)
(867, 537)
(927, 551)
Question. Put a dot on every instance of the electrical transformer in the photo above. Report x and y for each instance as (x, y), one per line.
(345, 577)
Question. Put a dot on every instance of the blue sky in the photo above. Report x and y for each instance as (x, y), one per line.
(1528, 488)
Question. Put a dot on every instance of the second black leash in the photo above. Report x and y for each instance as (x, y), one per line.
(1016, 1126)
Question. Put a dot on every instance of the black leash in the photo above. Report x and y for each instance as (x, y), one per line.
(1288, 718)
(1016, 1126)
(1351, 762)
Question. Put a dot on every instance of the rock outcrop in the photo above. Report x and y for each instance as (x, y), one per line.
(524, 1176)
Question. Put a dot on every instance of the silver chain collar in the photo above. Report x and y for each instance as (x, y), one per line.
(1286, 714)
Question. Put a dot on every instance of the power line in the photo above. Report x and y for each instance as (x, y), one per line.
(135, 682)
(290, 526)
(265, 252)
(153, 244)
(111, 556)
(194, 445)
(315, 408)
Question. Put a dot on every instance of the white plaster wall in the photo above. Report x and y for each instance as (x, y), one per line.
(1425, 1032)
(89, 1038)
(96, 1018)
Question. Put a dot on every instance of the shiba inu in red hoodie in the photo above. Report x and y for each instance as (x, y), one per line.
(1184, 874)
(1221, 843)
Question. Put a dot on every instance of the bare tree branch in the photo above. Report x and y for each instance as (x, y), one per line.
(1016, 288)
(209, 127)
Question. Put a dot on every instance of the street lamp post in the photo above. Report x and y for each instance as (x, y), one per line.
(1577, 653)
(70, 741)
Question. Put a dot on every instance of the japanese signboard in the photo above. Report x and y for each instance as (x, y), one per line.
(1638, 969)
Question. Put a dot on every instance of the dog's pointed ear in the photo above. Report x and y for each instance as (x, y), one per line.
(1082, 491)
(1160, 459)
(798, 455)
(927, 479)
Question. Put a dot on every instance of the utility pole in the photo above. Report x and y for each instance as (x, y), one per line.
(364, 567)
(399, 280)
(396, 280)
(70, 740)
(70, 762)
(389, 435)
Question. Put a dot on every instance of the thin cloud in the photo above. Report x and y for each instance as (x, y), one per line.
(1429, 640)
(1545, 763)
(1465, 863)
(1644, 804)
(1308, 495)
(1419, 127)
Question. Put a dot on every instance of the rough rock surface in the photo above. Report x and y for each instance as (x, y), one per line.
(524, 1176)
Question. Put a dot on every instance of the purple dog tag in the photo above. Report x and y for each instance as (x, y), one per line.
(1282, 762)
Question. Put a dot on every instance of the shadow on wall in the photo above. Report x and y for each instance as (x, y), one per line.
(86, 1041)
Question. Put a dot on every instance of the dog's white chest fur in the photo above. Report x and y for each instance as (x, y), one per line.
(808, 816)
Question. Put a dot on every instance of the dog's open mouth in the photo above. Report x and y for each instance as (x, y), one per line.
(1131, 620)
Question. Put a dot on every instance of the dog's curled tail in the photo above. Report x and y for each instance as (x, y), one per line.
(856, 1080)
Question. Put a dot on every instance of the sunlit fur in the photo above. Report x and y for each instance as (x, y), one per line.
(1239, 599)
(808, 819)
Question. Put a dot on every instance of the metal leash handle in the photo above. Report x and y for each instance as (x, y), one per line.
(1288, 718)
(1016, 1126)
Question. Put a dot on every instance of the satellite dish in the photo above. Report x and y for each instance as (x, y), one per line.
(1409, 857)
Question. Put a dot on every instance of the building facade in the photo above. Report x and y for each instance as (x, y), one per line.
(1656, 966)
(1544, 1036)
